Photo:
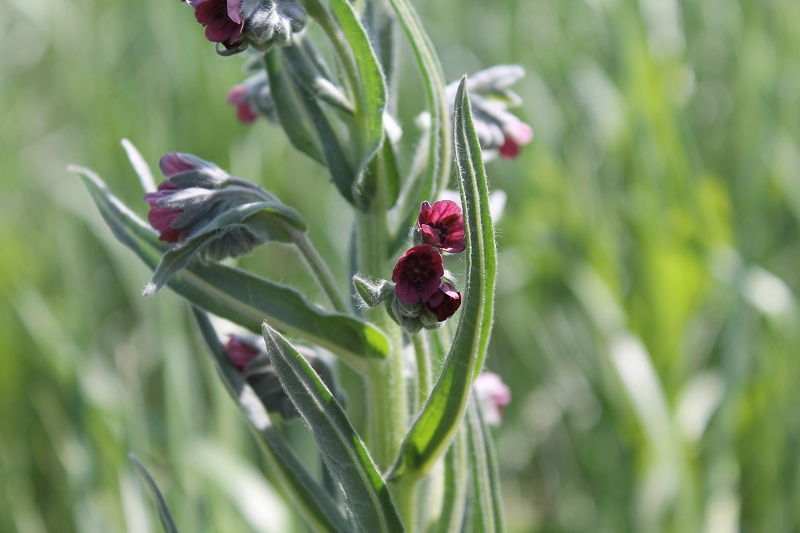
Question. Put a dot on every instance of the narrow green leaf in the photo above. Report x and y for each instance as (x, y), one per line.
(487, 512)
(316, 507)
(290, 114)
(336, 158)
(382, 31)
(437, 423)
(239, 296)
(440, 147)
(161, 504)
(366, 494)
(391, 174)
(371, 92)
(456, 479)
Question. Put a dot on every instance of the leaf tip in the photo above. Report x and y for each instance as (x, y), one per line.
(149, 289)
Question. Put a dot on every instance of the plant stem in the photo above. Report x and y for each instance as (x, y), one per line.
(423, 357)
(320, 270)
(386, 390)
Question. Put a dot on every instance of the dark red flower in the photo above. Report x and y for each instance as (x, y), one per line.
(517, 134)
(221, 19)
(418, 274)
(161, 218)
(240, 351)
(442, 225)
(444, 302)
(244, 111)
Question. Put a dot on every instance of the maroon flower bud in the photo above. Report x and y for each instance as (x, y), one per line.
(161, 218)
(244, 111)
(442, 225)
(241, 351)
(418, 274)
(492, 396)
(444, 302)
(517, 134)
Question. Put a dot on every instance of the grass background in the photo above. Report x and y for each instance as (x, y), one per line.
(647, 311)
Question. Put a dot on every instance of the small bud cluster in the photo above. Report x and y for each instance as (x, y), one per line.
(194, 196)
(424, 297)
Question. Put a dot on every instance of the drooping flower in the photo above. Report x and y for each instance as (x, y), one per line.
(418, 274)
(241, 351)
(444, 302)
(517, 135)
(244, 111)
(492, 396)
(252, 98)
(442, 225)
(221, 18)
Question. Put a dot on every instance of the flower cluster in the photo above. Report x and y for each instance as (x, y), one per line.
(424, 297)
(237, 24)
(194, 196)
(499, 131)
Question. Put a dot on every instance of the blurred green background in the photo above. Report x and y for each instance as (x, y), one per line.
(647, 315)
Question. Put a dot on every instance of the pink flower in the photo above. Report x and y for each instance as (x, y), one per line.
(442, 225)
(492, 396)
(221, 19)
(418, 274)
(444, 302)
(161, 218)
(244, 111)
(240, 351)
(517, 134)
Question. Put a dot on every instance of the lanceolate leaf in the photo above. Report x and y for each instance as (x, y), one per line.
(440, 148)
(434, 428)
(239, 296)
(366, 494)
(317, 508)
(336, 158)
(487, 514)
(371, 92)
(161, 504)
(289, 111)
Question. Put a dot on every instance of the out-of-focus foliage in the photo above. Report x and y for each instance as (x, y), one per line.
(647, 313)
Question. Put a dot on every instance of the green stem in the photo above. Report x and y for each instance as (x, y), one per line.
(406, 501)
(423, 357)
(386, 390)
(320, 270)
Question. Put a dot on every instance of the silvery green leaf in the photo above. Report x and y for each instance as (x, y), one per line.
(433, 430)
(373, 293)
(456, 485)
(366, 495)
(290, 111)
(316, 507)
